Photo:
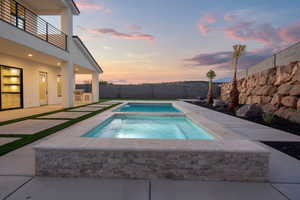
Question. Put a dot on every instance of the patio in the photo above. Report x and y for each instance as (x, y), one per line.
(17, 180)
(20, 113)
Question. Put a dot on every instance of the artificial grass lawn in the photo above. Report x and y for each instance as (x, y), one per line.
(27, 139)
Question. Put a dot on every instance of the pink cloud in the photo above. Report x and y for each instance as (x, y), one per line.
(246, 31)
(270, 36)
(203, 28)
(209, 18)
(134, 27)
(223, 59)
(291, 33)
(89, 5)
(117, 34)
(229, 17)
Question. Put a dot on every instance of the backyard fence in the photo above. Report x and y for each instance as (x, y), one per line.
(281, 58)
(158, 91)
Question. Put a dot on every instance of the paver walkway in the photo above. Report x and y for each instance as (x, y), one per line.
(64, 115)
(5, 140)
(17, 179)
(86, 109)
(19, 113)
(29, 126)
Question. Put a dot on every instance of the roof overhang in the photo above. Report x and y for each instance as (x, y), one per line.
(87, 53)
(73, 7)
(51, 7)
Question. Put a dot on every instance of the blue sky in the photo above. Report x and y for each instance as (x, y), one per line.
(139, 41)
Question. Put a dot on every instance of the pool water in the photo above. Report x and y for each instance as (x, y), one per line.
(148, 127)
(135, 107)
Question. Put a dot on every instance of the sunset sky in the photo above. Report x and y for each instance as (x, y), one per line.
(139, 41)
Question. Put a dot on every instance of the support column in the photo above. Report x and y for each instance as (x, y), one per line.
(95, 86)
(66, 21)
(68, 86)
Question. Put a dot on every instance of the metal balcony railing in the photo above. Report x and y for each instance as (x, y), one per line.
(21, 17)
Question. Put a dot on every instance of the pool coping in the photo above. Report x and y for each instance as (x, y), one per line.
(226, 141)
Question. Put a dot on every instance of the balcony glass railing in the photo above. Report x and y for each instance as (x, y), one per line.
(21, 17)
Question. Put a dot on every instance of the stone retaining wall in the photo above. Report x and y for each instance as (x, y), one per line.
(278, 89)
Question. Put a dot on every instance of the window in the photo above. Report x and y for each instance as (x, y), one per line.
(11, 87)
(58, 86)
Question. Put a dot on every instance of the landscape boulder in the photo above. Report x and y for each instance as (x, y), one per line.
(269, 109)
(219, 103)
(289, 101)
(294, 117)
(283, 112)
(284, 89)
(295, 90)
(268, 90)
(296, 76)
(256, 100)
(283, 74)
(276, 100)
(251, 111)
(265, 100)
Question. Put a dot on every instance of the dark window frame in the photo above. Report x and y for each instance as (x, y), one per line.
(21, 88)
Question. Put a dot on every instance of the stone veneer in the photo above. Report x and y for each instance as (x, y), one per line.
(278, 89)
(201, 165)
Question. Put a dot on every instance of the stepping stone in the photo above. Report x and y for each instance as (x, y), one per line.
(82, 188)
(9, 184)
(98, 106)
(30, 126)
(6, 140)
(64, 115)
(107, 103)
(86, 109)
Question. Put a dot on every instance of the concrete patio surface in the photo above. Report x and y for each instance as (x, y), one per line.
(17, 169)
(98, 105)
(5, 140)
(29, 126)
(85, 109)
(65, 115)
(266, 134)
(9, 184)
(79, 189)
(192, 190)
(292, 191)
(19, 113)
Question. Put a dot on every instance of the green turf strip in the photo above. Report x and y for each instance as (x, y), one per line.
(4, 149)
(43, 114)
(13, 135)
(52, 118)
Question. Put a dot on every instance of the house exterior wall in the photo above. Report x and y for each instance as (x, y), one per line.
(79, 58)
(31, 71)
(16, 35)
(73, 57)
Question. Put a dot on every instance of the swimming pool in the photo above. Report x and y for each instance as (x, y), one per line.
(148, 107)
(149, 127)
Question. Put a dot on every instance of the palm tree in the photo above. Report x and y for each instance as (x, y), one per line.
(239, 50)
(211, 75)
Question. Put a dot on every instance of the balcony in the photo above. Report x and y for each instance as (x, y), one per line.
(21, 17)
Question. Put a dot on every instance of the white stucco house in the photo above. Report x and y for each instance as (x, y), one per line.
(38, 61)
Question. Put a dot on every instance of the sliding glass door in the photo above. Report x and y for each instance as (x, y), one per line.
(11, 88)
